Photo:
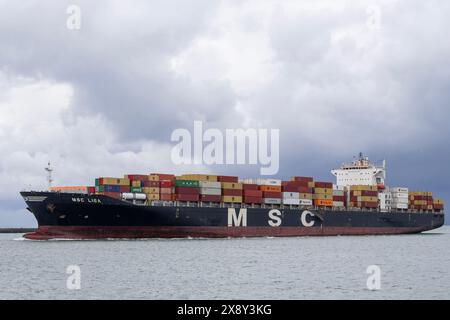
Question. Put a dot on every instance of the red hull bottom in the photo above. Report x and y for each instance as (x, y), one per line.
(52, 232)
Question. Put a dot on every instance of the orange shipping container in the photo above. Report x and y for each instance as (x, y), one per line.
(323, 203)
(270, 188)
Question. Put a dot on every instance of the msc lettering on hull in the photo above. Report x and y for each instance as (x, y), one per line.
(274, 215)
(88, 200)
(237, 221)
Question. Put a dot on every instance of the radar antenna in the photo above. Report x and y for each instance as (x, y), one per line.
(49, 170)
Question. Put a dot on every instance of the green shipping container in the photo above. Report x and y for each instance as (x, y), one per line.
(136, 189)
(99, 188)
(97, 182)
(187, 183)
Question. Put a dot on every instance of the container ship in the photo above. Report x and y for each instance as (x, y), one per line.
(212, 206)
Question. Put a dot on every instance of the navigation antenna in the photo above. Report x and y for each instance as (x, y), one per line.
(49, 170)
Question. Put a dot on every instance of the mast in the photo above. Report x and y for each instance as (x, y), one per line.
(49, 170)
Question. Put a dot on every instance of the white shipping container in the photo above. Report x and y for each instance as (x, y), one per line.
(210, 184)
(268, 182)
(399, 189)
(306, 202)
(400, 200)
(291, 201)
(338, 203)
(338, 193)
(399, 205)
(338, 188)
(400, 195)
(272, 201)
(211, 191)
(290, 195)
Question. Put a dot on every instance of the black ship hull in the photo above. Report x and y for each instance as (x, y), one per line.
(75, 216)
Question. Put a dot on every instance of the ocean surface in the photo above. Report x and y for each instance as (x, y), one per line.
(411, 267)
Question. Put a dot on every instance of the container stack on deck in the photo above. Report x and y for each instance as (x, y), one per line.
(421, 200)
(323, 194)
(302, 186)
(252, 194)
(299, 191)
(271, 190)
(112, 187)
(338, 196)
(364, 197)
(438, 205)
(399, 198)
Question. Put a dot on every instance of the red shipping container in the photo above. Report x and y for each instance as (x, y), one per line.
(338, 198)
(228, 179)
(151, 184)
(438, 206)
(271, 194)
(124, 189)
(187, 190)
(232, 192)
(295, 183)
(165, 184)
(210, 198)
(304, 190)
(100, 181)
(367, 193)
(166, 190)
(303, 179)
(353, 199)
(289, 189)
(248, 186)
(253, 193)
(91, 190)
(326, 185)
(164, 176)
(187, 197)
(115, 195)
(166, 197)
(136, 177)
(366, 204)
(255, 200)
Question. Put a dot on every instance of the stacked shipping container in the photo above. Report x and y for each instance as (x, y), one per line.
(362, 196)
(420, 200)
(303, 191)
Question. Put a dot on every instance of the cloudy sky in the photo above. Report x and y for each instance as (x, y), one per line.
(336, 77)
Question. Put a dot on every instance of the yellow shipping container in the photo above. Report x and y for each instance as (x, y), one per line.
(356, 193)
(231, 185)
(323, 191)
(311, 184)
(420, 202)
(306, 196)
(116, 181)
(368, 199)
(363, 188)
(198, 177)
(438, 201)
(152, 196)
(136, 184)
(231, 199)
(153, 177)
(150, 190)
(323, 196)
